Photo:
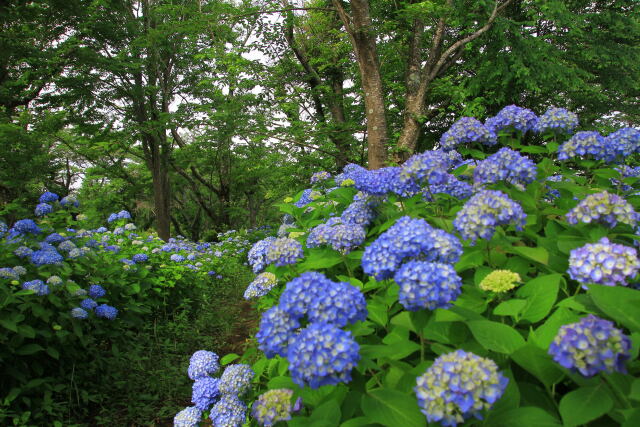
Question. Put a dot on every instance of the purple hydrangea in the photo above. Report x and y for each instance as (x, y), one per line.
(451, 186)
(236, 379)
(339, 304)
(229, 411)
(603, 263)
(257, 254)
(37, 286)
(467, 130)
(358, 213)
(302, 291)
(319, 177)
(590, 346)
(427, 285)
(557, 119)
(138, 258)
(588, 144)
(106, 311)
(188, 417)
(625, 142)
(203, 363)
(605, 208)
(322, 354)
(486, 210)
(505, 165)
(458, 386)
(205, 391)
(341, 237)
(43, 209)
(284, 251)
(277, 329)
(512, 116)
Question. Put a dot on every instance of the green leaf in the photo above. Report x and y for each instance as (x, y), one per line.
(538, 363)
(378, 312)
(469, 259)
(392, 408)
(228, 358)
(585, 404)
(358, 422)
(29, 349)
(496, 336)
(541, 293)
(321, 258)
(329, 412)
(620, 303)
(537, 254)
(528, 416)
(512, 307)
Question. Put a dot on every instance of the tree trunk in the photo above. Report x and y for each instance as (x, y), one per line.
(161, 197)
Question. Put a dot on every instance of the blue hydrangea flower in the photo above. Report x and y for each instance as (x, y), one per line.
(260, 286)
(48, 197)
(427, 285)
(124, 215)
(605, 208)
(505, 165)
(451, 186)
(88, 304)
(467, 130)
(8, 273)
(112, 217)
(137, 258)
(46, 257)
(590, 346)
(625, 141)
(486, 210)
(70, 200)
(188, 417)
(428, 168)
(37, 286)
(339, 304)
(54, 280)
(205, 391)
(229, 411)
(300, 292)
(322, 354)
(203, 363)
(96, 291)
(43, 209)
(236, 379)
(512, 116)
(55, 238)
(342, 237)
(3, 228)
(19, 270)
(177, 258)
(359, 213)
(603, 263)
(22, 251)
(79, 313)
(272, 406)
(626, 172)
(277, 329)
(319, 177)
(106, 311)
(458, 386)
(305, 198)
(66, 246)
(409, 238)
(283, 252)
(557, 119)
(25, 226)
(588, 144)
(257, 254)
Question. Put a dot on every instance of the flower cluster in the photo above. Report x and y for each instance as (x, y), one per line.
(428, 168)
(24, 226)
(319, 177)
(459, 385)
(229, 411)
(236, 379)
(590, 346)
(359, 212)
(500, 281)
(486, 210)
(427, 285)
(120, 215)
(451, 186)
(37, 286)
(106, 311)
(409, 238)
(205, 391)
(605, 208)
(273, 406)
(188, 417)
(505, 165)
(260, 286)
(603, 263)
(284, 251)
(467, 130)
(257, 254)
(512, 116)
(557, 119)
(625, 142)
(341, 237)
(587, 144)
(43, 209)
(202, 364)
(48, 197)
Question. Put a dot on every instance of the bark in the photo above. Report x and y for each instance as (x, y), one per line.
(361, 34)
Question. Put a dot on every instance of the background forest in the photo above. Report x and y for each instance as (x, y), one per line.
(271, 185)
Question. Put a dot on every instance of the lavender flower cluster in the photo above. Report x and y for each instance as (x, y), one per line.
(557, 120)
(505, 165)
(467, 130)
(512, 116)
(603, 263)
(604, 208)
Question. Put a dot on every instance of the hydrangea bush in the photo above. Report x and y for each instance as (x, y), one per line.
(491, 281)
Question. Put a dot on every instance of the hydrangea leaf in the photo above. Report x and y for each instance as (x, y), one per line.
(541, 293)
(619, 303)
(496, 336)
(392, 408)
(585, 404)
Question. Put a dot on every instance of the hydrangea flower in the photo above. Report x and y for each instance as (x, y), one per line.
(54, 280)
(283, 252)
(320, 176)
(88, 304)
(137, 258)
(557, 119)
(188, 417)
(96, 291)
(458, 386)
(486, 210)
(8, 273)
(48, 197)
(322, 354)
(500, 281)
(260, 286)
(106, 311)
(177, 258)
(203, 363)
(70, 200)
(300, 292)
(22, 251)
(236, 379)
(451, 186)
(25, 226)
(3, 228)
(229, 411)
(277, 329)
(257, 254)
(428, 168)
(20, 270)
(625, 141)
(587, 144)
(46, 257)
(590, 346)
(37, 286)
(605, 208)
(272, 406)
(43, 209)
(519, 118)
(339, 304)
(603, 263)
(427, 285)
(342, 237)
(359, 213)
(66, 246)
(55, 238)
(409, 238)
(79, 313)
(505, 165)
(205, 391)
(467, 130)
(305, 198)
